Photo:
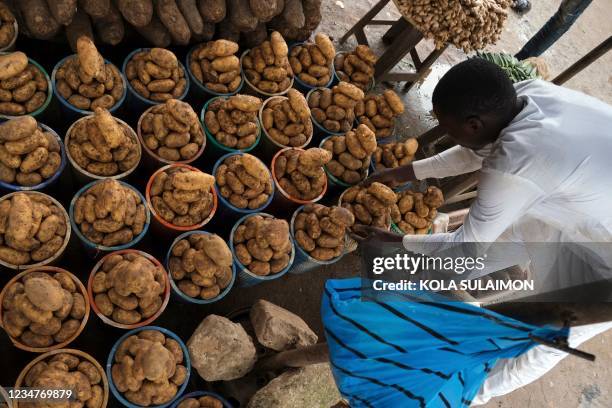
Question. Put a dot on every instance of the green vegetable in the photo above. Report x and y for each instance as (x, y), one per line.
(516, 70)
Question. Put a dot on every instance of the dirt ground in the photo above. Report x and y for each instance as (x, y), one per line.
(574, 383)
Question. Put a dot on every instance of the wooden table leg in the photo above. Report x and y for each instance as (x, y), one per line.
(357, 29)
(400, 25)
(402, 45)
(423, 68)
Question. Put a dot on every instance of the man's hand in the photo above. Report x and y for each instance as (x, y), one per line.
(362, 233)
(391, 177)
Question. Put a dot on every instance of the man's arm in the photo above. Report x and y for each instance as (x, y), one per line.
(502, 199)
(454, 161)
(451, 162)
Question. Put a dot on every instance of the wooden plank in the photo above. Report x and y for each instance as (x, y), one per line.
(381, 22)
(398, 77)
(416, 59)
(584, 62)
(469, 181)
(361, 37)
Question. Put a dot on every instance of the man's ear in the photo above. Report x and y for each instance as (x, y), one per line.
(474, 124)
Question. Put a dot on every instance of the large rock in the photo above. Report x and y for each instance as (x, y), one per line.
(221, 350)
(312, 386)
(278, 328)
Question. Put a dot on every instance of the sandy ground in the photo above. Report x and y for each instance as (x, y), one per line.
(574, 383)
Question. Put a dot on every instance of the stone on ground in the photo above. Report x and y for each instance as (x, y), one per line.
(221, 349)
(312, 386)
(279, 329)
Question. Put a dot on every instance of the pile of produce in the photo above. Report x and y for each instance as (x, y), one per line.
(263, 245)
(32, 228)
(320, 230)
(517, 70)
(172, 131)
(148, 368)
(244, 181)
(351, 154)
(23, 86)
(110, 213)
(467, 24)
(287, 119)
(201, 265)
(233, 121)
(378, 112)
(163, 22)
(392, 155)
(334, 109)
(371, 205)
(418, 210)
(68, 371)
(156, 74)
(182, 196)
(42, 309)
(206, 401)
(215, 65)
(356, 67)
(7, 26)
(128, 288)
(86, 81)
(28, 154)
(267, 67)
(311, 62)
(102, 145)
(300, 172)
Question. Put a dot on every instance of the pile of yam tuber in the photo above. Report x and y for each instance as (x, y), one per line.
(102, 145)
(42, 309)
(351, 154)
(86, 82)
(201, 265)
(263, 244)
(148, 368)
(68, 371)
(267, 66)
(392, 155)
(467, 24)
(378, 112)
(356, 67)
(156, 75)
(23, 86)
(129, 287)
(287, 119)
(172, 131)
(162, 22)
(215, 65)
(372, 205)
(233, 121)
(182, 196)
(321, 230)
(334, 108)
(300, 174)
(32, 228)
(28, 153)
(418, 210)
(244, 181)
(110, 213)
(311, 62)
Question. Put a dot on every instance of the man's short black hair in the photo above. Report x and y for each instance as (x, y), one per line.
(474, 88)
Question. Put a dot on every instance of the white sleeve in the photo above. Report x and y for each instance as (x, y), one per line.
(452, 162)
(502, 199)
